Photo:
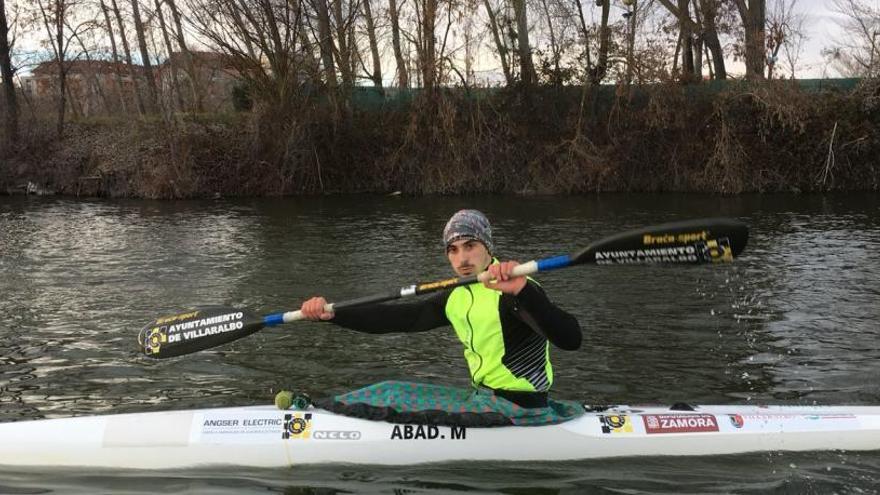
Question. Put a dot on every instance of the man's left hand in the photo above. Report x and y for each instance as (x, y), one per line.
(503, 280)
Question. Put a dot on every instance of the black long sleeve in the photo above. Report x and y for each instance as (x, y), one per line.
(418, 316)
(560, 328)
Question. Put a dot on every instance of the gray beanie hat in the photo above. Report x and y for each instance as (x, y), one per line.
(468, 224)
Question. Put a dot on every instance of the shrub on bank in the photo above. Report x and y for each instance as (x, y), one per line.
(769, 137)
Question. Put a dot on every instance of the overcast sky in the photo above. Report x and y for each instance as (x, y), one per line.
(822, 28)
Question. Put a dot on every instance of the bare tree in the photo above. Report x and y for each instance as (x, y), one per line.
(171, 60)
(195, 82)
(596, 72)
(703, 30)
(857, 53)
(6, 72)
(376, 74)
(555, 45)
(753, 14)
(631, 38)
(785, 34)
(145, 55)
(325, 42)
(344, 12)
(709, 10)
(115, 53)
(260, 40)
(402, 71)
(427, 10)
(53, 14)
(135, 76)
(523, 45)
(94, 87)
(500, 40)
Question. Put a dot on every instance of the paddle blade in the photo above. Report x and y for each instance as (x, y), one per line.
(196, 330)
(713, 240)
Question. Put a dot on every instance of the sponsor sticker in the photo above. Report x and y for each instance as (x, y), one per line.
(671, 254)
(336, 435)
(679, 423)
(437, 285)
(682, 238)
(154, 339)
(616, 424)
(198, 328)
(737, 420)
(234, 424)
(297, 426)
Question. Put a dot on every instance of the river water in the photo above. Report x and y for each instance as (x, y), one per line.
(793, 321)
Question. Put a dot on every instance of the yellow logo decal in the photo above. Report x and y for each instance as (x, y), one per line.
(154, 340)
(719, 251)
(297, 425)
(616, 424)
(685, 238)
(169, 319)
(437, 285)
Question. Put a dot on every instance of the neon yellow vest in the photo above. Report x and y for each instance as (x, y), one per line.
(473, 311)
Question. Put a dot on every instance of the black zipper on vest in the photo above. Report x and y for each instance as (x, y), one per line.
(471, 325)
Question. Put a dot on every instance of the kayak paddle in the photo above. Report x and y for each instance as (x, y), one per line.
(714, 240)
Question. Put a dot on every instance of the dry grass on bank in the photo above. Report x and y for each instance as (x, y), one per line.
(769, 137)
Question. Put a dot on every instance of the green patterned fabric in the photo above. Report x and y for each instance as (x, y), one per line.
(422, 403)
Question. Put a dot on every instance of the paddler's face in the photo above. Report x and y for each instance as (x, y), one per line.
(468, 257)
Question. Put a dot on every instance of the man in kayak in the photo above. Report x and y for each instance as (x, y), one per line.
(505, 325)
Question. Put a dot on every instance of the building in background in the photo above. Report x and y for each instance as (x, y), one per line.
(100, 87)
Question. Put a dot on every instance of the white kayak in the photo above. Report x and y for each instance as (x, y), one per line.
(264, 436)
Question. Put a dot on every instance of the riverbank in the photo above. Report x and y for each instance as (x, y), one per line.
(766, 138)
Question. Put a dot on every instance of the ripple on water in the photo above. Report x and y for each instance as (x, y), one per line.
(792, 321)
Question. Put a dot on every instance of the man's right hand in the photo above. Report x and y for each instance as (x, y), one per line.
(313, 309)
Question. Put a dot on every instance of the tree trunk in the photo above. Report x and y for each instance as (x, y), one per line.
(7, 73)
(115, 53)
(55, 29)
(710, 36)
(172, 63)
(145, 55)
(597, 74)
(376, 76)
(526, 67)
(753, 17)
(325, 42)
(193, 76)
(554, 46)
(131, 70)
(631, 48)
(687, 41)
(342, 42)
(585, 33)
(501, 46)
(708, 29)
(402, 72)
(428, 59)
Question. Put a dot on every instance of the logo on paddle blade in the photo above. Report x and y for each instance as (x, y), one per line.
(154, 339)
(297, 425)
(716, 250)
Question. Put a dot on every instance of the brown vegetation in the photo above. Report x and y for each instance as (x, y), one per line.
(772, 136)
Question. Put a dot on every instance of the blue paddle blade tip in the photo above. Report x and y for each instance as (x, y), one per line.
(554, 263)
(273, 319)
